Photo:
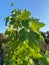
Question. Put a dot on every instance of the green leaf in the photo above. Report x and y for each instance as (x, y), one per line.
(14, 11)
(43, 61)
(24, 63)
(7, 19)
(36, 25)
(35, 54)
(25, 23)
(33, 36)
(23, 35)
(34, 40)
(26, 13)
(12, 4)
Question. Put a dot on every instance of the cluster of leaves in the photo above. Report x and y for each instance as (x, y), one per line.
(23, 47)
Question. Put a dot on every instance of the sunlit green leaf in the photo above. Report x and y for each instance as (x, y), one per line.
(36, 25)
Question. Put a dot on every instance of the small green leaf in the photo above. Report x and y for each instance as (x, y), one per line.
(24, 63)
(12, 4)
(7, 19)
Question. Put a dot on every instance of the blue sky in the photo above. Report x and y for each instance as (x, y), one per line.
(38, 8)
